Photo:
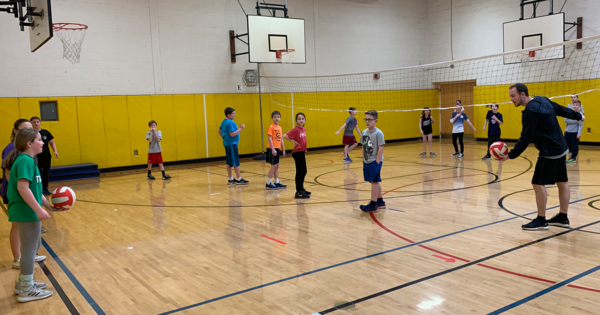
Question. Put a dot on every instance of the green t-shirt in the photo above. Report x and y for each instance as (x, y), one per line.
(23, 168)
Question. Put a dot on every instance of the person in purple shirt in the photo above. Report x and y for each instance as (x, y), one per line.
(15, 241)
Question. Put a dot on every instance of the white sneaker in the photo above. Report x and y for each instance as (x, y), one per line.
(17, 264)
(34, 294)
(39, 285)
(39, 258)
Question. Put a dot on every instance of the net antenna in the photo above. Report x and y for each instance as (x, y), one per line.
(71, 35)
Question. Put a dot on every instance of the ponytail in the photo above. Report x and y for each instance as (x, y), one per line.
(22, 138)
(10, 159)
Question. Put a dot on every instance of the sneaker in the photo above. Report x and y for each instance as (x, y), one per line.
(39, 258)
(347, 160)
(46, 192)
(307, 192)
(424, 154)
(39, 285)
(280, 185)
(559, 220)
(536, 224)
(381, 205)
(166, 176)
(460, 155)
(241, 182)
(454, 154)
(150, 177)
(486, 158)
(367, 208)
(301, 195)
(17, 264)
(432, 154)
(231, 182)
(33, 294)
(270, 186)
(44, 231)
(571, 160)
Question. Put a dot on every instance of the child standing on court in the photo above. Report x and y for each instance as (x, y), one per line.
(44, 159)
(25, 208)
(495, 119)
(274, 144)
(372, 142)
(349, 140)
(154, 150)
(298, 137)
(573, 130)
(425, 122)
(458, 130)
(230, 133)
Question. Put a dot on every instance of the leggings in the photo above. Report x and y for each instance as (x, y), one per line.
(301, 170)
(30, 235)
(491, 140)
(458, 136)
(44, 164)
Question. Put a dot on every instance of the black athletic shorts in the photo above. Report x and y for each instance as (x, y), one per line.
(550, 171)
(273, 159)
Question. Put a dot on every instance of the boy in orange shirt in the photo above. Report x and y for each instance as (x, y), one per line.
(273, 151)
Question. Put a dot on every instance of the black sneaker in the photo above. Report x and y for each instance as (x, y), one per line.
(241, 182)
(166, 176)
(150, 176)
(559, 220)
(301, 195)
(460, 155)
(47, 192)
(231, 182)
(536, 224)
(454, 154)
(486, 158)
(307, 192)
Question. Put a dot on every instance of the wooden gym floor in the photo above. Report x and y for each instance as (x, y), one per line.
(449, 242)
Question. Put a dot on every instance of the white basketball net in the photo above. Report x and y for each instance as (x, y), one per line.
(287, 57)
(71, 36)
(525, 60)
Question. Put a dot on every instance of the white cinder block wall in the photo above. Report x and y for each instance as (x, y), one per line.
(182, 46)
(475, 26)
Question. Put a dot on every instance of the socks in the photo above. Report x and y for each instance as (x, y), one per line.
(26, 282)
(163, 172)
(379, 200)
(269, 181)
(149, 172)
(277, 180)
(542, 217)
(373, 204)
(231, 178)
(240, 178)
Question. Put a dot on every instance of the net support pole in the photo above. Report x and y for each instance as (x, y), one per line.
(262, 155)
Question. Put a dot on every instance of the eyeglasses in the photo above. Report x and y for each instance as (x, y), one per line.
(368, 119)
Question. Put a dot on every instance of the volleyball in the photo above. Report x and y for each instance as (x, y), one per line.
(498, 149)
(63, 198)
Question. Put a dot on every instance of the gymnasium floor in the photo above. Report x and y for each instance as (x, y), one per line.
(449, 241)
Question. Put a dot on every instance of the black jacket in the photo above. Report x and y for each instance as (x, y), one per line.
(541, 127)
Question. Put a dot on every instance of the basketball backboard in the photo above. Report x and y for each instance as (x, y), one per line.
(535, 32)
(267, 34)
(41, 29)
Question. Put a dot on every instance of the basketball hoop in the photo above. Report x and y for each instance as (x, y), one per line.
(525, 57)
(71, 35)
(286, 56)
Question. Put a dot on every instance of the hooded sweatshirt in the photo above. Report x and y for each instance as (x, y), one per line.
(541, 127)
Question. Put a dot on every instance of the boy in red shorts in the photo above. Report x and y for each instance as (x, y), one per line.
(154, 150)
(349, 139)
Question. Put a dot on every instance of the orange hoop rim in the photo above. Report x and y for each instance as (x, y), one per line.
(285, 50)
(69, 27)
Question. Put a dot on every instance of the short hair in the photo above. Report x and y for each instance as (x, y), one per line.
(459, 101)
(495, 104)
(351, 109)
(35, 117)
(152, 122)
(275, 113)
(372, 113)
(521, 88)
(575, 95)
(228, 111)
(577, 102)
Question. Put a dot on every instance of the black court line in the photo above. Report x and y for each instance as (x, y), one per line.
(501, 204)
(63, 296)
(408, 284)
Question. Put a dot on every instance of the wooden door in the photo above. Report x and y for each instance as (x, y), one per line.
(450, 92)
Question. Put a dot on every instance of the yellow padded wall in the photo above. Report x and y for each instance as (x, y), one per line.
(116, 127)
(201, 126)
(162, 112)
(244, 115)
(66, 132)
(30, 107)
(92, 136)
(213, 120)
(139, 113)
(9, 113)
(186, 125)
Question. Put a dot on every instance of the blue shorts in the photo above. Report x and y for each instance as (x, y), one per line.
(231, 155)
(372, 172)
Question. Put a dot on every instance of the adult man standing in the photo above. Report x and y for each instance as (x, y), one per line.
(541, 127)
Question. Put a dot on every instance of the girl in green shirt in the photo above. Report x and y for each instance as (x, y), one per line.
(25, 208)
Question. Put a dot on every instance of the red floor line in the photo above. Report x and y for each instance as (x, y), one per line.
(272, 239)
(482, 265)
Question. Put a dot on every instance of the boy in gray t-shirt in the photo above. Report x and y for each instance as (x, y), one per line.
(349, 140)
(154, 150)
(372, 141)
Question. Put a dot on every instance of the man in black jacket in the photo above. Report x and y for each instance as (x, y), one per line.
(541, 127)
